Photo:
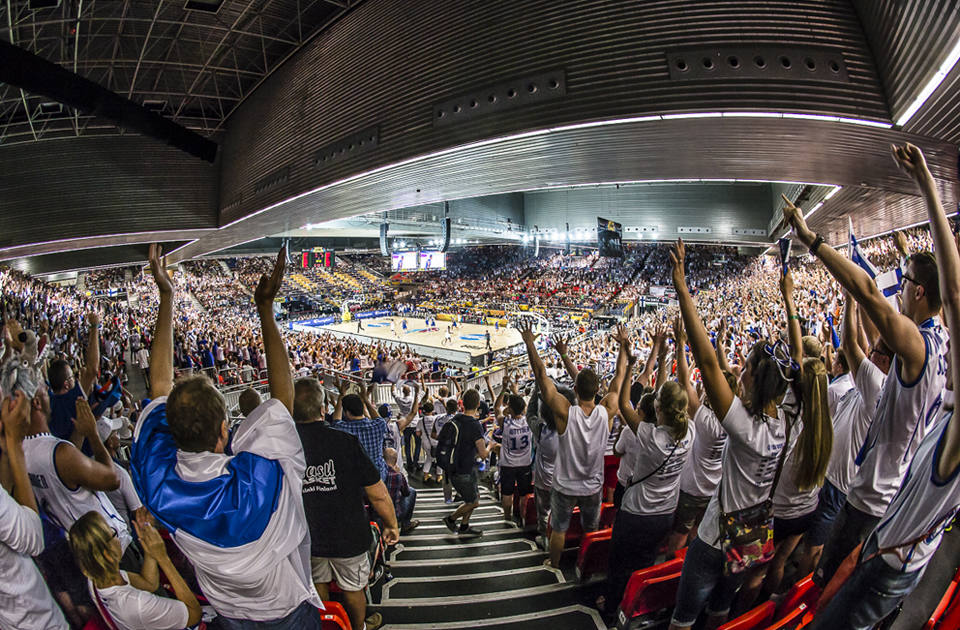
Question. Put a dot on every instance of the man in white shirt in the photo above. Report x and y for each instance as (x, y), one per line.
(583, 429)
(25, 600)
(251, 552)
(910, 399)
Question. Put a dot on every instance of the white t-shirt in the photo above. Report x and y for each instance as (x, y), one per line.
(850, 423)
(626, 444)
(749, 465)
(517, 447)
(546, 458)
(702, 470)
(657, 450)
(923, 504)
(836, 390)
(133, 609)
(25, 600)
(789, 501)
(579, 471)
(905, 413)
(124, 498)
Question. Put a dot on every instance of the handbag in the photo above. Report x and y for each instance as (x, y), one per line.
(746, 536)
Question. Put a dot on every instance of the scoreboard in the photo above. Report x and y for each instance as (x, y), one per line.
(318, 258)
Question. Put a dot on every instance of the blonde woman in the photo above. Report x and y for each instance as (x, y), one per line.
(126, 600)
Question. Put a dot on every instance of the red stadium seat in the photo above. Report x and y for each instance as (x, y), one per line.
(594, 554)
(948, 596)
(335, 617)
(95, 623)
(803, 592)
(951, 616)
(792, 620)
(759, 617)
(529, 512)
(650, 590)
(607, 515)
(680, 553)
(611, 463)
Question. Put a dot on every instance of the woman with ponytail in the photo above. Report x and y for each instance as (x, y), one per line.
(645, 516)
(757, 428)
(804, 469)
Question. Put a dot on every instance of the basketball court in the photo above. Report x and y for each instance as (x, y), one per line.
(467, 345)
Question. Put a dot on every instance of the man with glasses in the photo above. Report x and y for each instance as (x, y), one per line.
(908, 401)
(66, 388)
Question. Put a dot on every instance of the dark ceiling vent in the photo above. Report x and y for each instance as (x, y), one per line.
(49, 109)
(155, 106)
(210, 6)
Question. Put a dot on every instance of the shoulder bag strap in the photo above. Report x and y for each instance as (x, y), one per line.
(783, 456)
(656, 470)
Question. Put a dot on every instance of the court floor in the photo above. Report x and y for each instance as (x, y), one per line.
(465, 337)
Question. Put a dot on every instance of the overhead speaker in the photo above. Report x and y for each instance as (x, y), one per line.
(384, 251)
(445, 234)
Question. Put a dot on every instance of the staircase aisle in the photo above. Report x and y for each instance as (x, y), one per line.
(495, 582)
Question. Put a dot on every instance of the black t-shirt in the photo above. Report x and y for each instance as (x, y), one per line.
(466, 449)
(337, 472)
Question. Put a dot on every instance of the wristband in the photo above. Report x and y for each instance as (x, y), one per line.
(796, 317)
(817, 242)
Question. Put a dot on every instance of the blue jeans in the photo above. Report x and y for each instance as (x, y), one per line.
(872, 592)
(405, 507)
(702, 583)
(304, 617)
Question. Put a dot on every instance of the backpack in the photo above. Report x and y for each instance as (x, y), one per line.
(447, 445)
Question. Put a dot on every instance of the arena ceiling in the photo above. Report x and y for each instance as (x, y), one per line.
(329, 109)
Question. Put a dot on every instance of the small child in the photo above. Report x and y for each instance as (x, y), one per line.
(404, 497)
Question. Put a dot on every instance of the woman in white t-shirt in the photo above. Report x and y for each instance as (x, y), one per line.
(756, 427)
(126, 600)
(646, 513)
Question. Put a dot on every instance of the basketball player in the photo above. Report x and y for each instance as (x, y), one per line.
(359, 325)
(487, 337)
(393, 328)
(403, 324)
(447, 338)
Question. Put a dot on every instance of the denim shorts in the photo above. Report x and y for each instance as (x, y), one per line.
(561, 511)
(829, 504)
(703, 584)
(466, 486)
(870, 594)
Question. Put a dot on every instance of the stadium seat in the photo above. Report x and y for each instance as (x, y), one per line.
(680, 553)
(943, 605)
(759, 617)
(594, 554)
(611, 463)
(95, 623)
(803, 592)
(792, 620)
(529, 512)
(951, 616)
(607, 515)
(649, 590)
(335, 617)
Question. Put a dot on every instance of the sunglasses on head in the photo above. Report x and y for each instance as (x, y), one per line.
(780, 352)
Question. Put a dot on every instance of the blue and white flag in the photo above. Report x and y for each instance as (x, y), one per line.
(888, 281)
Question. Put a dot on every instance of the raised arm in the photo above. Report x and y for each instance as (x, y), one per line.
(155, 553)
(849, 336)
(91, 365)
(278, 362)
(898, 331)
(663, 370)
(15, 420)
(721, 347)
(559, 405)
(794, 334)
(650, 365)
(161, 348)
(630, 415)
(719, 393)
(910, 159)
(338, 407)
(75, 468)
(560, 343)
(683, 369)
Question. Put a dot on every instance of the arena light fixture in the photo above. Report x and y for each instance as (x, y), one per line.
(812, 210)
(833, 192)
(948, 63)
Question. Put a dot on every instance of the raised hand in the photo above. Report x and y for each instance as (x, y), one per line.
(786, 283)
(900, 241)
(85, 422)
(560, 343)
(15, 417)
(525, 326)
(269, 286)
(793, 217)
(910, 158)
(93, 318)
(679, 336)
(150, 540)
(678, 253)
(158, 268)
(621, 335)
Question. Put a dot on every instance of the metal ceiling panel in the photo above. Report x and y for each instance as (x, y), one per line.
(715, 148)
(390, 62)
(909, 39)
(88, 187)
(940, 115)
(86, 259)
